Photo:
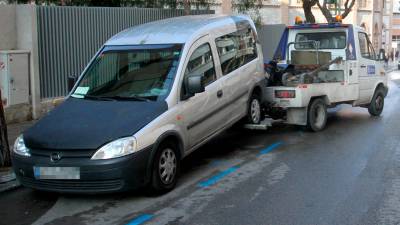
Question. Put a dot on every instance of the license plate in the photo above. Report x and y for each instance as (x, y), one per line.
(57, 173)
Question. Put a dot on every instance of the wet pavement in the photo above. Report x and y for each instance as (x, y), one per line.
(347, 174)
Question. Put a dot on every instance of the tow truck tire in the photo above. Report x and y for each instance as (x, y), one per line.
(375, 108)
(317, 115)
(254, 110)
(165, 169)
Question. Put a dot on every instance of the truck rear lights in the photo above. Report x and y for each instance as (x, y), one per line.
(285, 94)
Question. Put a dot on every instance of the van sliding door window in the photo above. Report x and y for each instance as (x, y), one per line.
(236, 49)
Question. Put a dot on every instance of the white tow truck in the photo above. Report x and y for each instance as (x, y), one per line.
(317, 66)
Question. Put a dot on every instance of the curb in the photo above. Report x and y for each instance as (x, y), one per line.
(8, 181)
(11, 185)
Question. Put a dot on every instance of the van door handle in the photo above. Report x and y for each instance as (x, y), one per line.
(363, 66)
(220, 94)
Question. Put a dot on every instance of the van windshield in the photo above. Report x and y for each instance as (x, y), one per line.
(139, 73)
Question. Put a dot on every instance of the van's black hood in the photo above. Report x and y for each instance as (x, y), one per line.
(88, 124)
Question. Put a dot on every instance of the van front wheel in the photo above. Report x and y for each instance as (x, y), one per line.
(165, 168)
(317, 115)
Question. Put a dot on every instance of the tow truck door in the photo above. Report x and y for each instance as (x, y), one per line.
(367, 70)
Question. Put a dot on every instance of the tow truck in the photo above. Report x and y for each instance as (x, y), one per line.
(319, 66)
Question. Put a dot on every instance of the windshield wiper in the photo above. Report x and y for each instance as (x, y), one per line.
(102, 98)
(130, 98)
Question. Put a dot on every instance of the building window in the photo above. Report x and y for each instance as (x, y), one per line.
(396, 38)
(364, 3)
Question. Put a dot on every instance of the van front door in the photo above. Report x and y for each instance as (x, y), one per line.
(201, 113)
(367, 68)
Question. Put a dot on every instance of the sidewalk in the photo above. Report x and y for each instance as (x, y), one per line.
(7, 176)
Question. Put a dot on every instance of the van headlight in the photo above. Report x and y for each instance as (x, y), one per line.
(20, 148)
(117, 148)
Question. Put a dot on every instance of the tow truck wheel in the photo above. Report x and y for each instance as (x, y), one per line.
(377, 103)
(317, 115)
(254, 111)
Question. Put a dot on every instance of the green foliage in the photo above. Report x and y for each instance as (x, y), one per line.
(249, 7)
(173, 4)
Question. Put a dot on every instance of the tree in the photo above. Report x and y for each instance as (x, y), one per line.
(324, 7)
(5, 159)
(251, 7)
(187, 5)
(307, 8)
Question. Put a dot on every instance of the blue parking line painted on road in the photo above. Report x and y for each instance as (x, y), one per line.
(218, 177)
(140, 219)
(270, 148)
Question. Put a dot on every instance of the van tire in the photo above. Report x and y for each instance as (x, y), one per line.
(254, 110)
(166, 159)
(317, 115)
(375, 108)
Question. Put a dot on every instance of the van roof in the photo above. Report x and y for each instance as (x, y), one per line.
(177, 30)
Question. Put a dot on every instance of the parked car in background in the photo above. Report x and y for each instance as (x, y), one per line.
(151, 95)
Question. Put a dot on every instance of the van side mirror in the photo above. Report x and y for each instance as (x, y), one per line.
(194, 85)
(71, 82)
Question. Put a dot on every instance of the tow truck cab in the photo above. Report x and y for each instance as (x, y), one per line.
(341, 67)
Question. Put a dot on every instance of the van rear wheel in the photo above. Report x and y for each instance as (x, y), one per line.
(317, 115)
(254, 111)
(165, 168)
(375, 108)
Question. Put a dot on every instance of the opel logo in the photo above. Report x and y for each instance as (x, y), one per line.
(54, 157)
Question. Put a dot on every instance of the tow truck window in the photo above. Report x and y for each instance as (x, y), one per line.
(366, 49)
(326, 40)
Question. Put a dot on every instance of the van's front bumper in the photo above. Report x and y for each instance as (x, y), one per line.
(96, 176)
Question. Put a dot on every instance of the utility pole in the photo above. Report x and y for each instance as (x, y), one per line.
(5, 159)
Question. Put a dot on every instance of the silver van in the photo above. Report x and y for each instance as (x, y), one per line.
(153, 94)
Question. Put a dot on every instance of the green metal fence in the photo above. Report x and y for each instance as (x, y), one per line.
(69, 36)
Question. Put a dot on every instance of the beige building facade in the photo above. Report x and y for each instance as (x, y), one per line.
(396, 25)
(376, 16)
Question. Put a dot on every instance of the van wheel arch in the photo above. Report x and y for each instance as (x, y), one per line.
(256, 90)
(169, 136)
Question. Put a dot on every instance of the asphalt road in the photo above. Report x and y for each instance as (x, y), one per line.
(347, 174)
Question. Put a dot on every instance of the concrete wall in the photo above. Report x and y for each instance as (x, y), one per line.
(18, 32)
(8, 30)
(26, 23)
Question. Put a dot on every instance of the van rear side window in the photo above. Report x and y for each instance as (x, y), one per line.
(326, 40)
(236, 49)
